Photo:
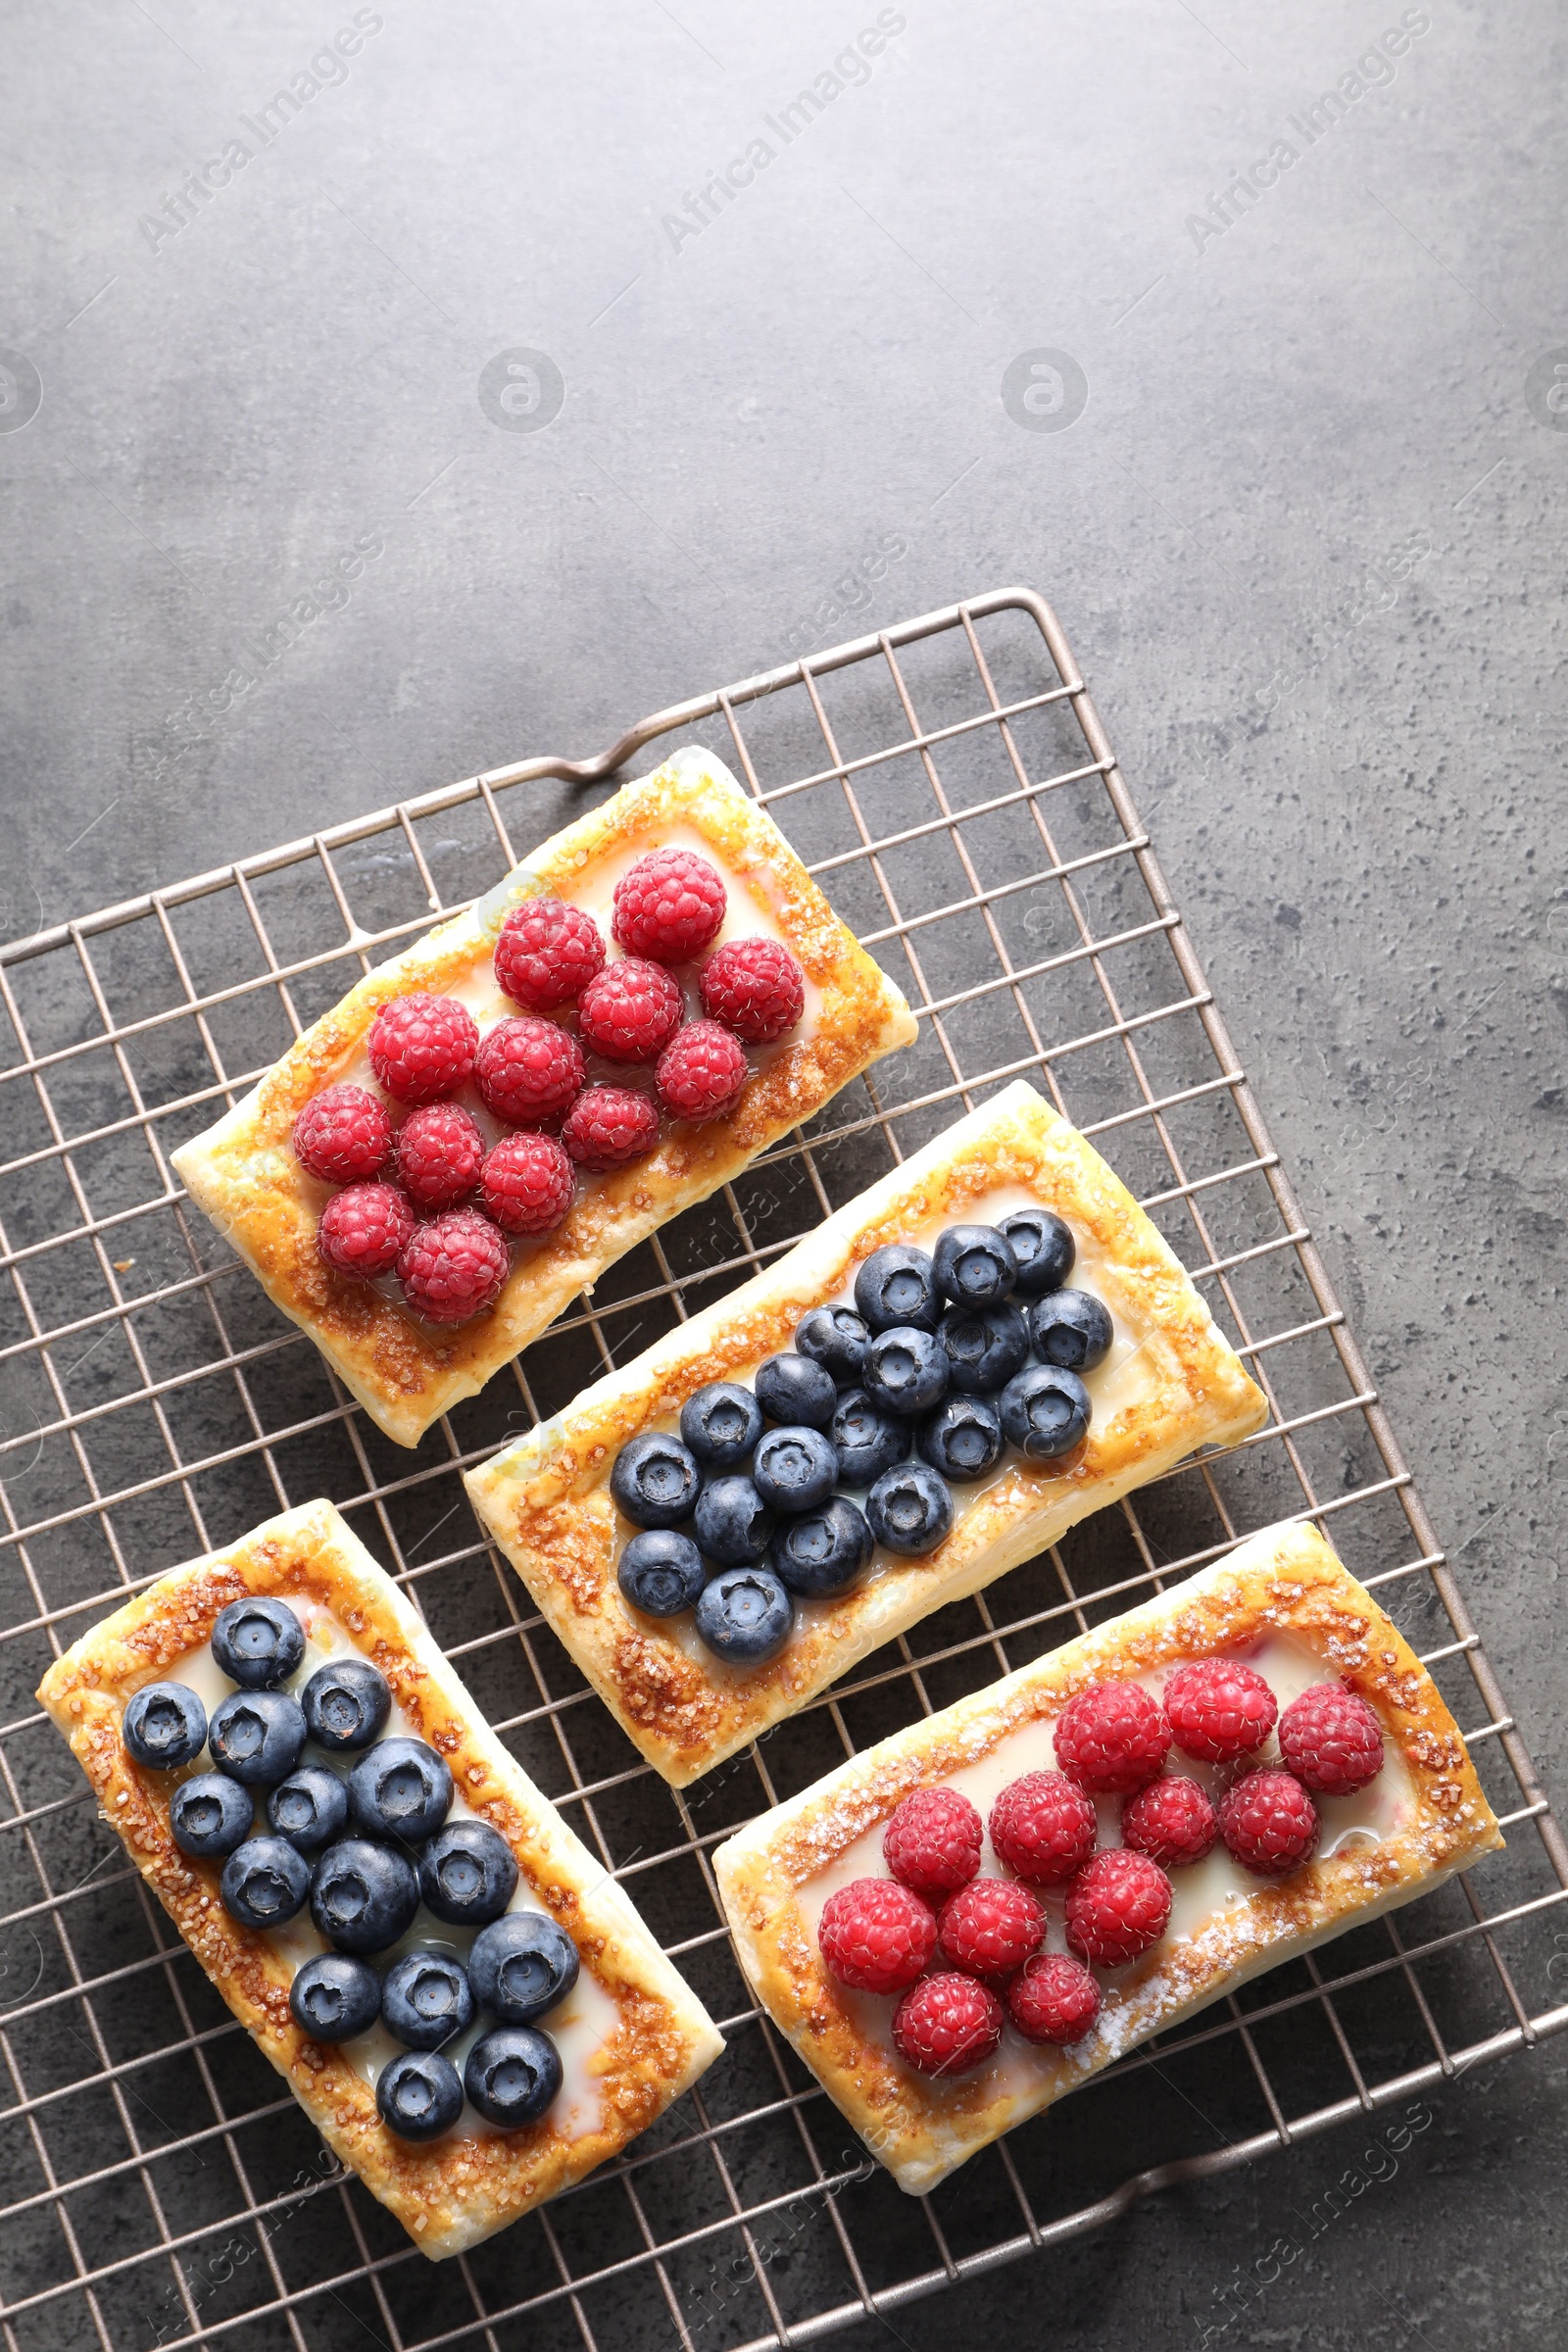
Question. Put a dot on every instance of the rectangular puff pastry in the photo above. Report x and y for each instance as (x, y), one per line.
(1284, 1588)
(405, 1372)
(1171, 1384)
(450, 2192)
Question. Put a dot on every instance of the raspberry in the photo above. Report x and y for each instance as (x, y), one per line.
(949, 2025)
(364, 1227)
(608, 1126)
(699, 1076)
(454, 1267)
(989, 1926)
(631, 1011)
(932, 1843)
(547, 953)
(439, 1153)
(1043, 1828)
(422, 1049)
(1269, 1823)
(1118, 1906)
(1053, 1998)
(1219, 1710)
(529, 1071)
(1171, 1821)
(526, 1184)
(1111, 1738)
(668, 906)
(1331, 1740)
(754, 987)
(875, 1936)
(343, 1135)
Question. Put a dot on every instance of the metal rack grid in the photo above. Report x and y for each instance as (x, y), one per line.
(950, 782)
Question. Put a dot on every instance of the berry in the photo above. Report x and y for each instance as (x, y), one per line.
(655, 1480)
(1053, 1998)
(418, 2095)
(343, 1135)
(512, 2076)
(962, 1439)
(422, 1049)
(1071, 1330)
(1043, 1828)
(166, 1723)
(897, 1285)
(333, 1997)
(309, 1808)
(1171, 1821)
(984, 1346)
(823, 1552)
(701, 1074)
(668, 906)
(425, 1999)
(1043, 1250)
(973, 1265)
(547, 953)
(1218, 1709)
(346, 1703)
(467, 1874)
(1045, 1412)
(363, 1895)
(526, 1184)
(365, 1230)
(745, 1615)
(1118, 1906)
(834, 1338)
(660, 1573)
(989, 1926)
(876, 1935)
(522, 1965)
(795, 1470)
(454, 1267)
(264, 1882)
(1269, 1823)
(949, 2025)
(1331, 1740)
(905, 1370)
(932, 1843)
(257, 1736)
(1111, 1738)
(754, 987)
(439, 1154)
(734, 1525)
(210, 1815)
(909, 1509)
(608, 1126)
(794, 1390)
(721, 1423)
(866, 1440)
(530, 1072)
(400, 1789)
(258, 1641)
(629, 1011)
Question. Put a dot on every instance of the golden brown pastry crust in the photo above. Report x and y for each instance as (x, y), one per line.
(244, 1174)
(1285, 1581)
(547, 1501)
(452, 2192)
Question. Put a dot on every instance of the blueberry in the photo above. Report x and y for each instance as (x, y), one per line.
(866, 1440)
(522, 1966)
(906, 1370)
(210, 1815)
(1045, 1411)
(419, 2094)
(745, 1615)
(660, 1572)
(309, 1808)
(258, 1642)
(333, 1997)
(654, 1481)
(897, 1285)
(721, 1423)
(425, 1999)
(1071, 1329)
(962, 1437)
(795, 1391)
(910, 1508)
(257, 1736)
(823, 1552)
(165, 1724)
(984, 1346)
(467, 1874)
(511, 2076)
(835, 1339)
(346, 1703)
(400, 1789)
(264, 1882)
(733, 1523)
(363, 1895)
(1043, 1248)
(974, 1266)
(796, 1469)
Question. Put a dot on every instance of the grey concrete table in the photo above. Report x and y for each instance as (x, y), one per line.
(513, 372)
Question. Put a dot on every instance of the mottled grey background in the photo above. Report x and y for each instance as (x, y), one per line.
(1305, 537)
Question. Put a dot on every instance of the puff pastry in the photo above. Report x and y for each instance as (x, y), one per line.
(452, 2192)
(245, 1176)
(1171, 1384)
(1283, 1598)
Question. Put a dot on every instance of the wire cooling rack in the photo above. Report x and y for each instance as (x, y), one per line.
(952, 787)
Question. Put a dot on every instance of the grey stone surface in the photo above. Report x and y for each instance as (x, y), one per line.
(1305, 535)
